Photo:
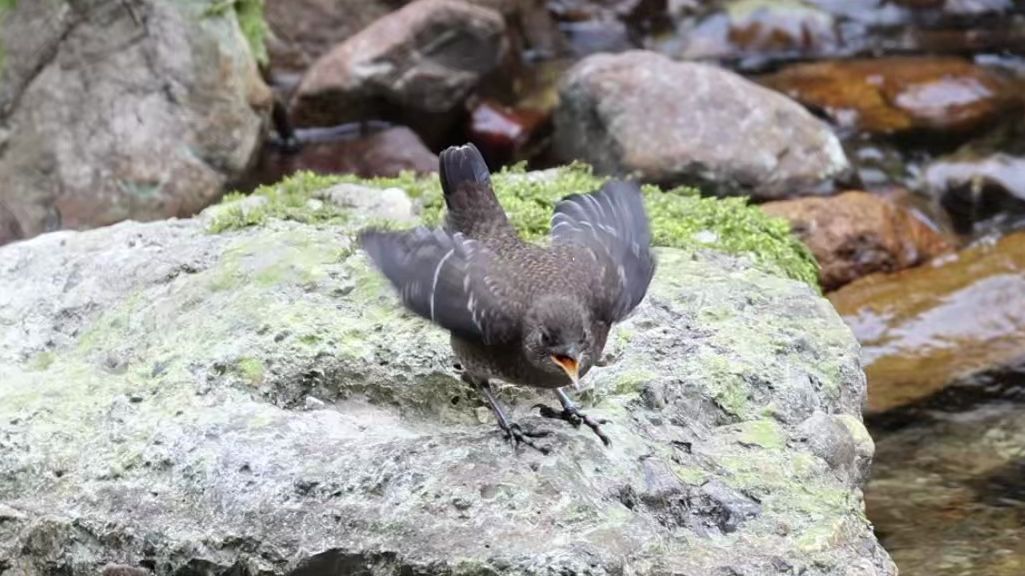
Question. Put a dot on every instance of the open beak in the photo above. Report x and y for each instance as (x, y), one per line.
(571, 366)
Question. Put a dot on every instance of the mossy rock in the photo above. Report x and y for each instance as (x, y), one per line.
(680, 217)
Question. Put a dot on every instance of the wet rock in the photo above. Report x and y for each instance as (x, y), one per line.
(855, 234)
(112, 110)
(343, 150)
(503, 133)
(416, 66)
(676, 123)
(899, 94)
(980, 194)
(924, 328)
(398, 473)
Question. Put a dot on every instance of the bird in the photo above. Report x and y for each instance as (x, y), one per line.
(522, 313)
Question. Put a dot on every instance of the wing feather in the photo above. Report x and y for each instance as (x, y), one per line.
(448, 279)
(611, 226)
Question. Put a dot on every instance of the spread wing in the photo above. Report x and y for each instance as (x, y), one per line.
(612, 227)
(449, 279)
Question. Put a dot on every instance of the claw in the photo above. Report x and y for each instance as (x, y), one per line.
(575, 417)
(517, 435)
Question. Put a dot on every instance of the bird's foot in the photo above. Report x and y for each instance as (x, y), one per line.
(517, 435)
(575, 417)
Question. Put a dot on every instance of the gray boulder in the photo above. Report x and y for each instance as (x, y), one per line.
(256, 402)
(687, 123)
(415, 65)
(112, 110)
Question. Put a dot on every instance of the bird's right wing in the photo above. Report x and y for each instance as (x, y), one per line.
(611, 227)
(450, 280)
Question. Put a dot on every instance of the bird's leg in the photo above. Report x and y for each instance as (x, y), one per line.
(513, 431)
(570, 413)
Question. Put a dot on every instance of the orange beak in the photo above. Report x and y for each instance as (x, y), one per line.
(571, 367)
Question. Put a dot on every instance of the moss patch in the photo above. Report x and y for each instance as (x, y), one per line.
(680, 217)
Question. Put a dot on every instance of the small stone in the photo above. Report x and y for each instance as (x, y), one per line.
(313, 403)
(370, 202)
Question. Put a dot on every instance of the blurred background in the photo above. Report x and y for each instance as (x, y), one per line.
(891, 134)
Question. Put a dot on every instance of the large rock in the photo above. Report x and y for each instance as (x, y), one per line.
(855, 234)
(926, 328)
(256, 402)
(416, 65)
(112, 110)
(682, 122)
(304, 30)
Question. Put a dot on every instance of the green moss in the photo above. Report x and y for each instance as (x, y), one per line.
(762, 433)
(250, 369)
(680, 218)
(41, 361)
(250, 20)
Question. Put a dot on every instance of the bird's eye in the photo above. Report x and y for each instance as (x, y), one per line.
(547, 339)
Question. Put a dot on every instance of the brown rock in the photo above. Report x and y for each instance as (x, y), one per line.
(924, 328)
(899, 94)
(855, 234)
(416, 65)
(503, 133)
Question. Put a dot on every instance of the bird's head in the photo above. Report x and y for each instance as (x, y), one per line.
(558, 338)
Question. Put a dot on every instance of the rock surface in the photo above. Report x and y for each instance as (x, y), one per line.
(416, 65)
(855, 234)
(255, 402)
(386, 152)
(304, 30)
(680, 122)
(112, 110)
(925, 328)
(979, 194)
(899, 94)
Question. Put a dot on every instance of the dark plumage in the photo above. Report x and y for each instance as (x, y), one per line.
(518, 312)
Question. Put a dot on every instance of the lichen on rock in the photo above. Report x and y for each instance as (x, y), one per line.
(257, 400)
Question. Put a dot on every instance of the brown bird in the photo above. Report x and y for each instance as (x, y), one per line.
(525, 314)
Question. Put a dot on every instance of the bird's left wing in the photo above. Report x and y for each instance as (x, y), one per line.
(450, 280)
(611, 227)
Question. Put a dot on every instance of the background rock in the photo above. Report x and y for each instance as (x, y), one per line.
(384, 152)
(112, 110)
(855, 234)
(925, 328)
(899, 94)
(416, 65)
(256, 401)
(680, 122)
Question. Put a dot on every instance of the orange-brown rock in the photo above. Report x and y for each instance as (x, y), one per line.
(855, 234)
(924, 328)
(899, 94)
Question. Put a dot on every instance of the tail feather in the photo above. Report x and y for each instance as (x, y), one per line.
(472, 206)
